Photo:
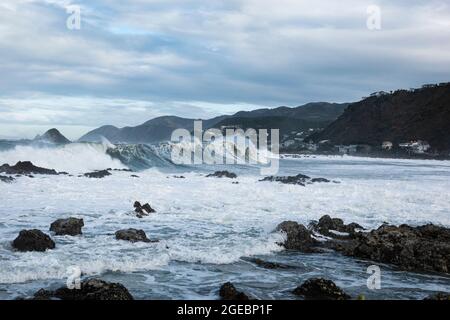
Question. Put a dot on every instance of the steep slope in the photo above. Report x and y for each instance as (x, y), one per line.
(52, 136)
(420, 114)
(316, 111)
(284, 124)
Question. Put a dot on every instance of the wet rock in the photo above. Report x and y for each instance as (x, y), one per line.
(268, 264)
(229, 292)
(440, 296)
(179, 177)
(25, 168)
(222, 174)
(320, 289)
(424, 248)
(70, 226)
(97, 174)
(6, 179)
(300, 179)
(335, 227)
(132, 235)
(92, 289)
(298, 237)
(143, 210)
(123, 170)
(33, 240)
(134, 176)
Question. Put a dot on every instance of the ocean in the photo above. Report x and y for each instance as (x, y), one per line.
(209, 228)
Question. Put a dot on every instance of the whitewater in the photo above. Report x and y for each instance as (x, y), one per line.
(208, 227)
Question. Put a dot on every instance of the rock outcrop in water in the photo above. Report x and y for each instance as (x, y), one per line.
(70, 226)
(229, 292)
(97, 174)
(320, 289)
(298, 237)
(92, 289)
(143, 210)
(33, 240)
(132, 235)
(222, 174)
(424, 248)
(268, 264)
(440, 296)
(25, 167)
(6, 179)
(300, 179)
(335, 227)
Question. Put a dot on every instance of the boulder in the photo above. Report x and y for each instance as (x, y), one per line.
(269, 265)
(33, 240)
(132, 235)
(229, 292)
(70, 226)
(143, 209)
(327, 225)
(92, 289)
(440, 296)
(97, 174)
(300, 179)
(298, 237)
(320, 289)
(25, 168)
(6, 179)
(222, 174)
(424, 248)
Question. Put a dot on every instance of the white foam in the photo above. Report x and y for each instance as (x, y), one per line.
(73, 158)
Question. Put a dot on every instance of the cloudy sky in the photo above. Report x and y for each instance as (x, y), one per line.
(134, 60)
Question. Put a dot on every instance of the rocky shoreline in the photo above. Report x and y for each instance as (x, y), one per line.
(410, 248)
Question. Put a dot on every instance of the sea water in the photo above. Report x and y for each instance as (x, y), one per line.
(209, 227)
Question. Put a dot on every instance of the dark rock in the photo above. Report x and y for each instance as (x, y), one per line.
(222, 174)
(33, 240)
(123, 170)
(268, 264)
(425, 248)
(70, 226)
(320, 180)
(92, 289)
(25, 168)
(6, 179)
(97, 174)
(229, 292)
(327, 224)
(143, 210)
(440, 296)
(134, 176)
(132, 235)
(299, 179)
(298, 237)
(179, 177)
(320, 289)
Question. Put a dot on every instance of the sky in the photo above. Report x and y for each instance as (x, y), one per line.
(130, 61)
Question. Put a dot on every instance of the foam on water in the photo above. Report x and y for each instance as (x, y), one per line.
(199, 220)
(74, 158)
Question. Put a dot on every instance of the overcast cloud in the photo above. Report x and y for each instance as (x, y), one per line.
(137, 59)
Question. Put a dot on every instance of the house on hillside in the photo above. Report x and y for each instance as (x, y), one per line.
(417, 147)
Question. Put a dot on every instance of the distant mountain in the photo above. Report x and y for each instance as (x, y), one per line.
(284, 118)
(155, 130)
(316, 111)
(52, 136)
(400, 116)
